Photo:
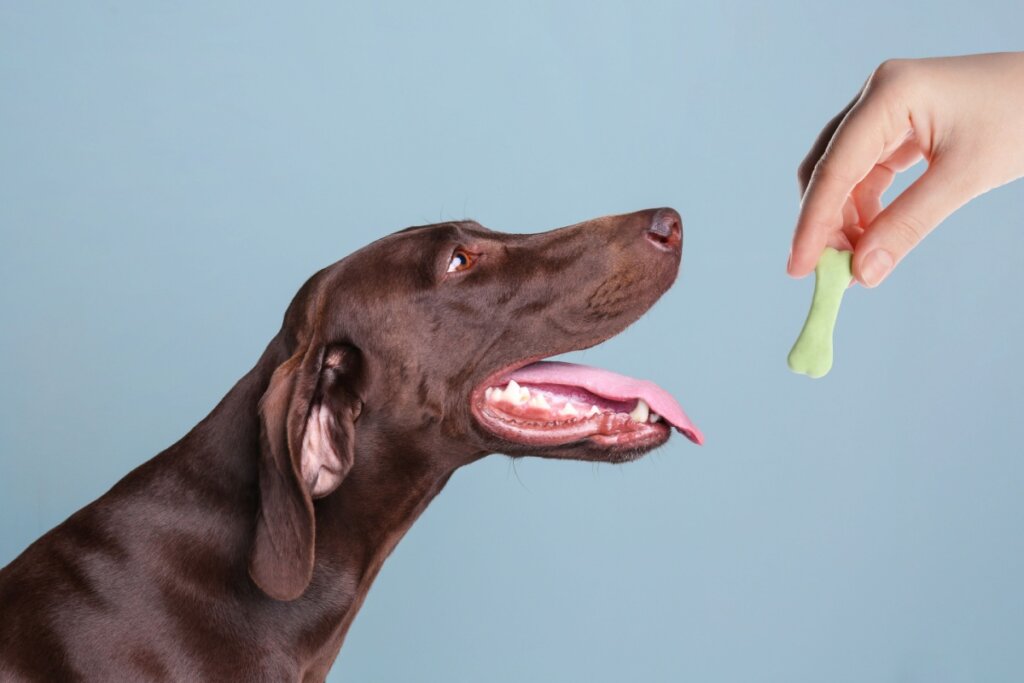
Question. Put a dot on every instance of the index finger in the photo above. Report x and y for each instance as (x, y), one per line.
(806, 167)
(849, 156)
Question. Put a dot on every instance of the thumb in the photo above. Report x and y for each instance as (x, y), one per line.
(907, 220)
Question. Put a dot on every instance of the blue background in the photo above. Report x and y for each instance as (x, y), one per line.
(171, 173)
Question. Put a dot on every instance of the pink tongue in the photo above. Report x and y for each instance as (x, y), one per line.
(612, 386)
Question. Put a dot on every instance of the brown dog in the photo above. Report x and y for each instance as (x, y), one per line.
(244, 551)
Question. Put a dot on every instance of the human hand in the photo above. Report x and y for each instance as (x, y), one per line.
(963, 115)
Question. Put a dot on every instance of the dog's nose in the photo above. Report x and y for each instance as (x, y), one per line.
(666, 230)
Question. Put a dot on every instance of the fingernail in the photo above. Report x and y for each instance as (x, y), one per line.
(875, 267)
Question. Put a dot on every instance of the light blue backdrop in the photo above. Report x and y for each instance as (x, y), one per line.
(170, 174)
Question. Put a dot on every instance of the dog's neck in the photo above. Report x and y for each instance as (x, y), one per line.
(357, 526)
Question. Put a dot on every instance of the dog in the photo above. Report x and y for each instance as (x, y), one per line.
(244, 551)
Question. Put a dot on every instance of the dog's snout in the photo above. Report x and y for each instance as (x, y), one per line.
(666, 230)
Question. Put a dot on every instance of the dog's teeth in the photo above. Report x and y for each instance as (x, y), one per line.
(538, 401)
(641, 412)
(655, 418)
(594, 410)
(488, 393)
(497, 395)
(516, 394)
(512, 392)
(569, 409)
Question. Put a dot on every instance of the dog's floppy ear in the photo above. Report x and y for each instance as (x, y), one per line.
(307, 445)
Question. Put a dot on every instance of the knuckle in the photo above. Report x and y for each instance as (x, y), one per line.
(892, 79)
(890, 69)
(906, 230)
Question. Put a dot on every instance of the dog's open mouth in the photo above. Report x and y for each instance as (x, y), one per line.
(551, 403)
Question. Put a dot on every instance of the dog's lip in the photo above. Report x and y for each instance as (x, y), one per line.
(529, 367)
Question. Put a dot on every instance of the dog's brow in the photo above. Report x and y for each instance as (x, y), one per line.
(454, 225)
(441, 234)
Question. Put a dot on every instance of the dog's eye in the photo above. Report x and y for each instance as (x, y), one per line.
(461, 260)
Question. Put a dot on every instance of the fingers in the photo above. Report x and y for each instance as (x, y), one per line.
(867, 196)
(806, 168)
(859, 143)
(907, 220)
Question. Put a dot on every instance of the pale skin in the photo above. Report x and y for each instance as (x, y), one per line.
(964, 116)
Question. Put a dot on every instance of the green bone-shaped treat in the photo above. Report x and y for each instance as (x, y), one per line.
(812, 352)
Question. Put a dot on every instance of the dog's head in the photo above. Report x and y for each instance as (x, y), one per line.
(431, 337)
